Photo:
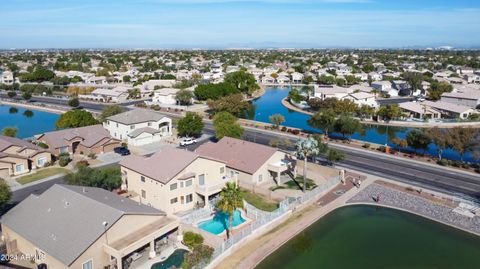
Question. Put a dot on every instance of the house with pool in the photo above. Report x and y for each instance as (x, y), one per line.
(86, 228)
(250, 162)
(174, 180)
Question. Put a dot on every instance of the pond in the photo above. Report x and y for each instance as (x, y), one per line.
(29, 122)
(270, 103)
(372, 237)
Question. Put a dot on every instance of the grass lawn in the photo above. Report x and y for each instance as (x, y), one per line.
(41, 174)
(259, 202)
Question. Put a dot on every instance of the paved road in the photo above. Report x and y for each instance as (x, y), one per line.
(437, 177)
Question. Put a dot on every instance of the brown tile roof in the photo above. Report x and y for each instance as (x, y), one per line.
(90, 136)
(238, 154)
(6, 142)
(164, 165)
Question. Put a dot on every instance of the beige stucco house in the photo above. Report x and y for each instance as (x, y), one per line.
(84, 140)
(18, 156)
(83, 228)
(174, 180)
(252, 163)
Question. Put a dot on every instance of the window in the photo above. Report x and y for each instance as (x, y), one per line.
(174, 200)
(63, 149)
(142, 178)
(132, 126)
(260, 178)
(88, 265)
(19, 168)
(222, 170)
(188, 183)
(144, 194)
(201, 179)
(189, 198)
(117, 125)
(181, 184)
(149, 124)
(41, 161)
(173, 186)
(108, 122)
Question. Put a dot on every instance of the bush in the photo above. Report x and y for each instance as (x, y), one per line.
(442, 162)
(82, 163)
(125, 145)
(382, 149)
(42, 145)
(200, 253)
(366, 145)
(92, 156)
(64, 161)
(191, 239)
(155, 107)
(295, 132)
(284, 129)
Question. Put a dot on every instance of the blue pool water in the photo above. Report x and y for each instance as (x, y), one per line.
(270, 103)
(174, 261)
(27, 123)
(220, 222)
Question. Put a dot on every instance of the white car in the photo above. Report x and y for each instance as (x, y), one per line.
(188, 141)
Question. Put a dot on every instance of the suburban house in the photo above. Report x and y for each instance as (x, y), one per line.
(450, 110)
(419, 111)
(83, 228)
(117, 94)
(139, 126)
(297, 78)
(165, 96)
(362, 98)
(252, 163)
(83, 140)
(6, 77)
(331, 91)
(173, 180)
(18, 156)
(148, 86)
(465, 96)
(385, 87)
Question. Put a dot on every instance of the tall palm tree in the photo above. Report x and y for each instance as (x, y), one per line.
(306, 148)
(231, 199)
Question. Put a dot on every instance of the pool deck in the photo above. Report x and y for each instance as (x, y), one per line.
(251, 253)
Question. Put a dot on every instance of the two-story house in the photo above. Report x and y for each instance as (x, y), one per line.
(139, 127)
(173, 180)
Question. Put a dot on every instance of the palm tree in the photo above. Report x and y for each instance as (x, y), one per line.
(231, 199)
(306, 148)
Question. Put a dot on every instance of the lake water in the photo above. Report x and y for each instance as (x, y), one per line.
(29, 122)
(370, 237)
(270, 103)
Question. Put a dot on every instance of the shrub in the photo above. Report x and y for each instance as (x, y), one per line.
(191, 239)
(366, 145)
(382, 148)
(200, 253)
(155, 107)
(92, 155)
(42, 145)
(442, 162)
(295, 132)
(125, 145)
(63, 161)
(82, 163)
(284, 129)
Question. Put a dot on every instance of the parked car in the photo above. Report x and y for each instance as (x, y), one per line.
(188, 141)
(122, 151)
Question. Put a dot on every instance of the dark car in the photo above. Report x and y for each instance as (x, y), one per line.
(122, 151)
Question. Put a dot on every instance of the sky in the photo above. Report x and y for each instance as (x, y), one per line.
(239, 23)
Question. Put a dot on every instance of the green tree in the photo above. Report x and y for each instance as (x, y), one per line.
(10, 131)
(74, 102)
(243, 81)
(5, 193)
(295, 96)
(11, 94)
(414, 79)
(334, 156)
(441, 138)
(126, 78)
(418, 139)
(134, 94)
(324, 120)
(190, 126)
(463, 139)
(184, 97)
(234, 104)
(437, 89)
(111, 110)
(276, 120)
(389, 112)
(214, 91)
(75, 118)
(306, 148)
(106, 178)
(27, 96)
(226, 124)
(347, 126)
(231, 199)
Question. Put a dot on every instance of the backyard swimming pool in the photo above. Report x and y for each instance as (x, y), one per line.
(220, 222)
(175, 260)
